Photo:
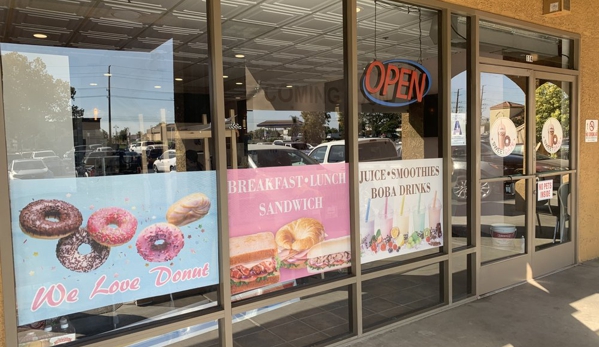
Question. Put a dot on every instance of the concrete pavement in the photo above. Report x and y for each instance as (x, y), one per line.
(561, 309)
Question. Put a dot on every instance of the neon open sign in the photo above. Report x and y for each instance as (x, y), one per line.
(396, 82)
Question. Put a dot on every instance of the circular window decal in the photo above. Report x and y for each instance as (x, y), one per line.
(552, 135)
(503, 136)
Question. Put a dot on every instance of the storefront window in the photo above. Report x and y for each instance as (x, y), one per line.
(400, 170)
(458, 126)
(109, 158)
(287, 184)
(509, 43)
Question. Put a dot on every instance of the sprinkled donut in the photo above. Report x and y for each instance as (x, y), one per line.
(112, 226)
(188, 209)
(50, 219)
(67, 252)
(160, 242)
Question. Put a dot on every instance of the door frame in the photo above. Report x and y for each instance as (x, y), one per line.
(510, 271)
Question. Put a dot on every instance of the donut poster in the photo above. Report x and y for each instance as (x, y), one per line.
(401, 208)
(286, 223)
(81, 244)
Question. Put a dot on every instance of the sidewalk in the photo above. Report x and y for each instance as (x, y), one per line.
(558, 310)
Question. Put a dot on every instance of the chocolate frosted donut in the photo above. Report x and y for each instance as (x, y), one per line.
(50, 219)
(67, 252)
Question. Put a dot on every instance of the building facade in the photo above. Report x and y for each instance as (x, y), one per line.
(232, 239)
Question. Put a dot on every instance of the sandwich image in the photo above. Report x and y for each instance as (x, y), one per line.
(253, 263)
(295, 239)
(329, 255)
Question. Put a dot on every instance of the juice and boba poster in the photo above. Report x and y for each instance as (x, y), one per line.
(401, 208)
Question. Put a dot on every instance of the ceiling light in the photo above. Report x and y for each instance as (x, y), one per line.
(157, 87)
(40, 36)
(178, 79)
(358, 9)
(93, 84)
(289, 86)
(239, 83)
(225, 76)
(239, 56)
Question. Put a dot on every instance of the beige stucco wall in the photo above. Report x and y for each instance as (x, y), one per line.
(581, 20)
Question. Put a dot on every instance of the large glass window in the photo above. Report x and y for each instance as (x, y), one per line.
(399, 121)
(108, 135)
(283, 79)
(509, 43)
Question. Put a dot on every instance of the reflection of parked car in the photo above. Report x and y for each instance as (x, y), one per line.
(493, 165)
(269, 156)
(369, 149)
(152, 155)
(28, 169)
(109, 163)
(142, 146)
(302, 146)
(166, 162)
(460, 183)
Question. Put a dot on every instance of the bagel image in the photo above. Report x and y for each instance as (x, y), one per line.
(507, 141)
(294, 240)
(188, 209)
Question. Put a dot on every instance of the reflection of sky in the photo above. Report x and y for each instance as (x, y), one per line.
(134, 83)
(496, 88)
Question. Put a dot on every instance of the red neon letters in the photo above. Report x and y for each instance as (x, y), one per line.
(406, 82)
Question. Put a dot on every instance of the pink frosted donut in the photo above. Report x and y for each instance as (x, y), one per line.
(160, 242)
(111, 226)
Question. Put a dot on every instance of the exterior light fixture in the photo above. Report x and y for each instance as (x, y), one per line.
(40, 36)
(239, 56)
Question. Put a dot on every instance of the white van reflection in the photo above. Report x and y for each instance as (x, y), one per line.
(28, 169)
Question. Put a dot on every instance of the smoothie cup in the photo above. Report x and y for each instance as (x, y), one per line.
(403, 223)
(434, 213)
(384, 221)
(367, 229)
(418, 213)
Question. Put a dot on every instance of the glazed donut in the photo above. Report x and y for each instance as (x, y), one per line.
(112, 226)
(507, 141)
(301, 234)
(49, 219)
(149, 246)
(67, 252)
(188, 209)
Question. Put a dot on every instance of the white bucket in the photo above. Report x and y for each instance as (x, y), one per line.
(503, 234)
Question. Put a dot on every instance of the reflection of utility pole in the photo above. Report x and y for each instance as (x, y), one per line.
(116, 132)
(457, 101)
(109, 108)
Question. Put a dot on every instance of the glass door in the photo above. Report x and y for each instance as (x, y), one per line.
(553, 246)
(505, 216)
(526, 126)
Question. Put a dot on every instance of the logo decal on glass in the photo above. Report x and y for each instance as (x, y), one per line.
(552, 135)
(503, 136)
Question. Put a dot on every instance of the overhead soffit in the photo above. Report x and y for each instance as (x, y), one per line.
(299, 41)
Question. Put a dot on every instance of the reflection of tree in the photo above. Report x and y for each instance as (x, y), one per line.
(552, 101)
(314, 126)
(295, 127)
(75, 110)
(37, 105)
(380, 123)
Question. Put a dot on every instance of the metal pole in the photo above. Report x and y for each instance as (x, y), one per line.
(109, 108)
